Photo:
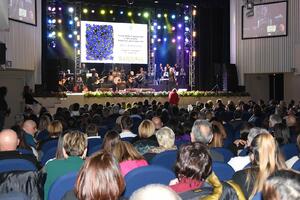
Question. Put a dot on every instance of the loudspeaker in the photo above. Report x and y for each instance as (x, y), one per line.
(2, 53)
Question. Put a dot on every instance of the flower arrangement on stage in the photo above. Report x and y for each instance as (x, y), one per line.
(163, 94)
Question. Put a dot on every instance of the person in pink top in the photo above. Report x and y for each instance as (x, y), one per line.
(129, 158)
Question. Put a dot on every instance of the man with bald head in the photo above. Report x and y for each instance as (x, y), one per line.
(9, 142)
(30, 129)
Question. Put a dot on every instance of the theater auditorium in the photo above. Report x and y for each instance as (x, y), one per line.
(149, 99)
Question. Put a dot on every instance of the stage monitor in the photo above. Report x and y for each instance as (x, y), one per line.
(107, 42)
(23, 11)
(265, 20)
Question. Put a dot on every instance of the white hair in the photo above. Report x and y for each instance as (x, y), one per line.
(155, 191)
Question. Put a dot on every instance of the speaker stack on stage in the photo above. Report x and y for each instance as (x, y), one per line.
(2, 54)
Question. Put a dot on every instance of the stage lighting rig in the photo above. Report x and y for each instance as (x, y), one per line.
(130, 2)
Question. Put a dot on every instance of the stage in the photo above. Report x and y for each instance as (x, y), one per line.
(186, 98)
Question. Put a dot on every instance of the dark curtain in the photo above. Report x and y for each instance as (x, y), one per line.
(213, 42)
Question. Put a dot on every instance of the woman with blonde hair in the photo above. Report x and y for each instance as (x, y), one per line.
(55, 128)
(266, 159)
(129, 158)
(219, 134)
(147, 139)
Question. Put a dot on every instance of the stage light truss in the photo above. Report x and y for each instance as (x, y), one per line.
(77, 13)
(192, 55)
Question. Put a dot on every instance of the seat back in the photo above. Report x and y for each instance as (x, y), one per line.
(48, 145)
(244, 152)
(92, 142)
(165, 159)
(227, 154)
(93, 149)
(289, 150)
(296, 166)
(222, 170)
(8, 165)
(142, 176)
(25, 151)
(257, 196)
(50, 154)
(62, 185)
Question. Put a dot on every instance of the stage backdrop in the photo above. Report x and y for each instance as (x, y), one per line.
(107, 42)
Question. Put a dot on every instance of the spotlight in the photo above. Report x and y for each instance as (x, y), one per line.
(59, 21)
(78, 37)
(187, 51)
(187, 29)
(85, 10)
(49, 21)
(178, 37)
(152, 28)
(53, 9)
(194, 12)
(152, 54)
(121, 12)
(165, 39)
(194, 53)
(158, 15)
(165, 27)
(173, 16)
(194, 33)
(173, 40)
(78, 52)
(139, 14)
(179, 48)
(70, 36)
(179, 25)
(154, 49)
(186, 18)
(158, 40)
(129, 14)
(75, 32)
(59, 8)
(152, 41)
(111, 12)
(49, 8)
(75, 44)
(158, 27)
(53, 21)
(59, 34)
(71, 10)
(156, 2)
(154, 36)
(186, 40)
(76, 19)
(102, 12)
(92, 11)
(154, 24)
(173, 28)
(71, 22)
(146, 14)
(165, 15)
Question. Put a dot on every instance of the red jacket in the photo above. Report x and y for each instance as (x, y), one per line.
(173, 98)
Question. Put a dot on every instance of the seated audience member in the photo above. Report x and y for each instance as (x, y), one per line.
(290, 162)
(74, 151)
(273, 120)
(126, 125)
(219, 134)
(128, 157)
(30, 129)
(99, 179)
(54, 129)
(157, 123)
(110, 140)
(147, 139)
(266, 159)
(202, 132)
(44, 122)
(192, 167)
(9, 142)
(240, 162)
(257, 117)
(166, 141)
(155, 191)
(282, 185)
(92, 131)
(281, 134)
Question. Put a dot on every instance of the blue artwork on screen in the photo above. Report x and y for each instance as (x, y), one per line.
(99, 42)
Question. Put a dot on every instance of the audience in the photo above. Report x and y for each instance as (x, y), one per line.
(99, 179)
(74, 151)
(147, 138)
(154, 191)
(128, 157)
(126, 125)
(266, 159)
(290, 162)
(30, 129)
(192, 167)
(282, 185)
(111, 139)
(202, 132)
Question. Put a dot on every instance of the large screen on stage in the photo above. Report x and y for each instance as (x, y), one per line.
(269, 20)
(107, 42)
(23, 11)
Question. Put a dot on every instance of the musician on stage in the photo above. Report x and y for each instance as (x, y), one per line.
(131, 80)
(141, 78)
(172, 79)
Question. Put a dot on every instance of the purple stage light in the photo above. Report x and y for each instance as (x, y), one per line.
(173, 40)
(179, 48)
(49, 8)
(154, 49)
(187, 29)
(178, 37)
(158, 40)
(154, 24)
(165, 39)
(59, 8)
(187, 51)
(158, 27)
(173, 28)
(179, 25)
(53, 9)
(154, 36)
